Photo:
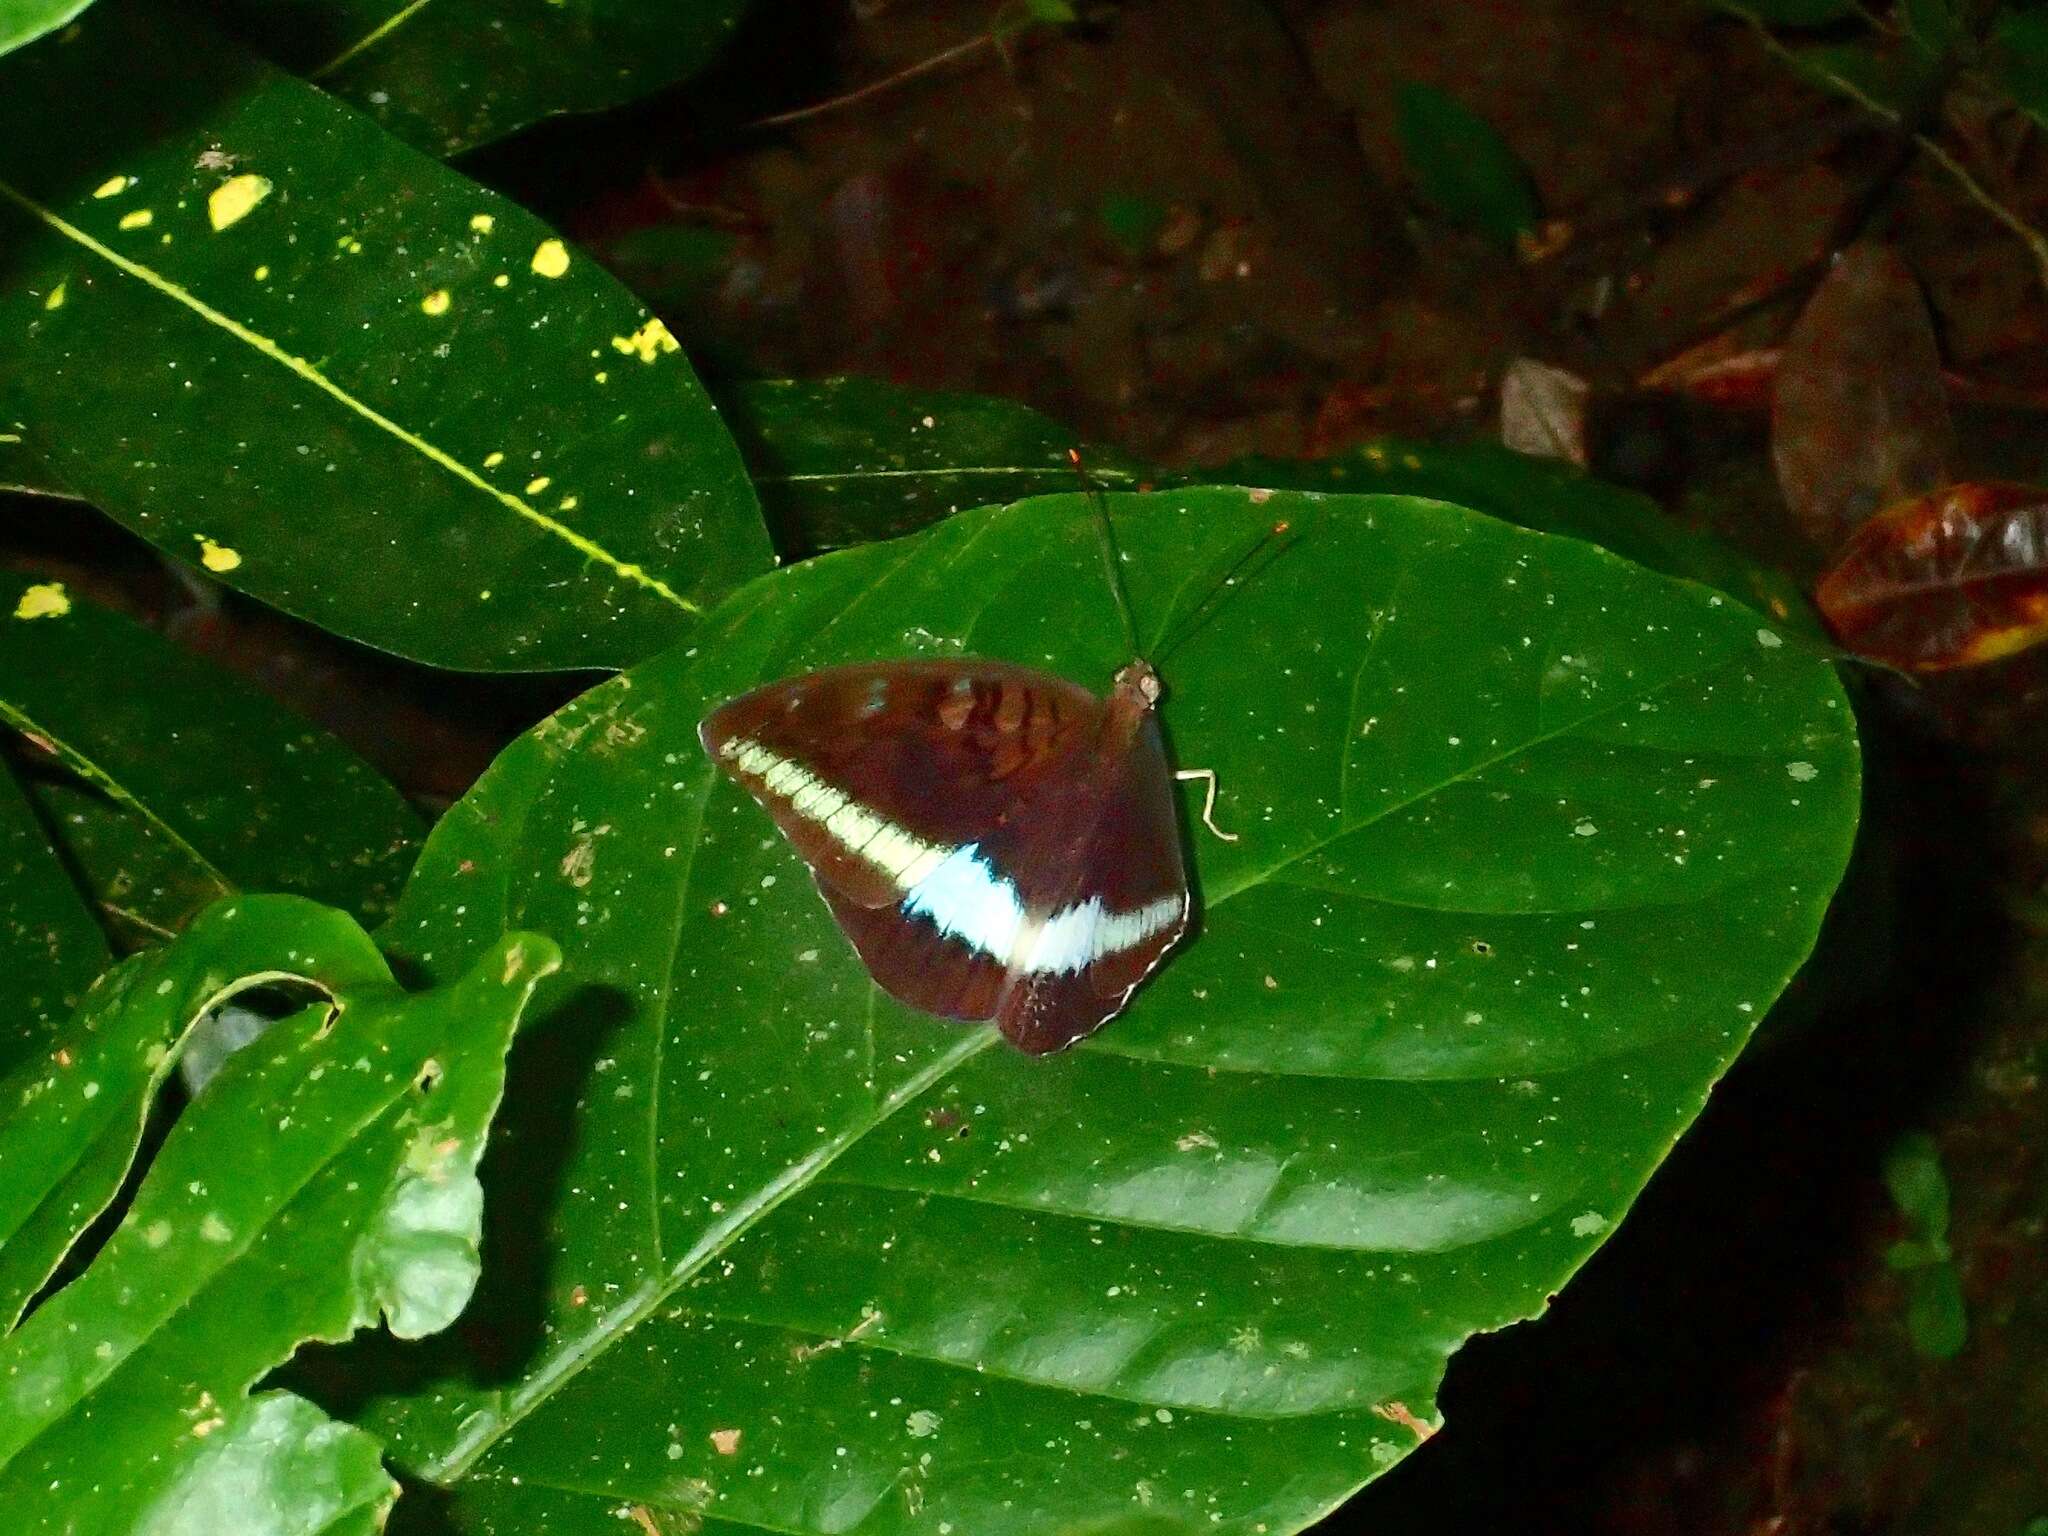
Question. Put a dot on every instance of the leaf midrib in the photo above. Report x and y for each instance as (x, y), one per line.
(83, 764)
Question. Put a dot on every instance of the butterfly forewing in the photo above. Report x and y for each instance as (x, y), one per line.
(996, 842)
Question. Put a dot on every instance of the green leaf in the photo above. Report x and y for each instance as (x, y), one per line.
(1936, 1319)
(1539, 493)
(2019, 57)
(224, 784)
(1912, 1172)
(1463, 166)
(128, 1407)
(145, 888)
(21, 472)
(851, 460)
(50, 947)
(23, 21)
(1530, 840)
(453, 74)
(340, 377)
(77, 1106)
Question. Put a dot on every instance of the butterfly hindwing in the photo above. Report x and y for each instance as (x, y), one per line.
(1124, 907)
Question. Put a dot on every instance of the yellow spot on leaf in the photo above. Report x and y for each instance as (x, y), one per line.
(482, 223)
(551, 258)
(113, 186)
(485, 595)
(217, 557)
(45, 600)
(568, 504)
(230, 202)
(262, 274)
(139, 219)
(536, 485)
(436, 303)
(492, 461)
(601, 375)
(56, 298)
(502, 280)
(647, 343)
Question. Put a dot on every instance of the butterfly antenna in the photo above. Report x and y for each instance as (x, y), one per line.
(1254, 560)
(1112, 557)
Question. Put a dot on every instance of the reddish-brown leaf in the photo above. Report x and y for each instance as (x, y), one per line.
(1714, 374)
(1955, 579)
(1860, 420)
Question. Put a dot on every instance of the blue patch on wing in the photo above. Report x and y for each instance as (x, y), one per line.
(967, 900)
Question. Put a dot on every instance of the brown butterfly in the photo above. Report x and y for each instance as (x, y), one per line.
(998, 843)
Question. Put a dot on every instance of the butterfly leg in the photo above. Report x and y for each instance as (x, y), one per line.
(1208, 800)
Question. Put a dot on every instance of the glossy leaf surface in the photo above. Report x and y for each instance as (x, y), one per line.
(448, 75)
(219, 787)
(1859, 418)
(50, 947)
(328, 371)
(127, 1405)
(1955, 579)
(1530, 839)
(850, 460)
(23, 21)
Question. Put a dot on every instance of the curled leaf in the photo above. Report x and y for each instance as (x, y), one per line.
(1955, 579)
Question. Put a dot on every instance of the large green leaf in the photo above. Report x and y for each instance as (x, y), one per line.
(1530, 840)
(203, 785)
(23, 21)
(324, 1179)
(851, 460)
(280, 345)
(50, 947)
(448, 75)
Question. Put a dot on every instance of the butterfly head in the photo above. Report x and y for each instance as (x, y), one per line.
(1138, 688)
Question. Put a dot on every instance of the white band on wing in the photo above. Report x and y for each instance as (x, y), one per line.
(958, 889)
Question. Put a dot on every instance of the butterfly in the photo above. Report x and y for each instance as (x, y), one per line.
(996, 841)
